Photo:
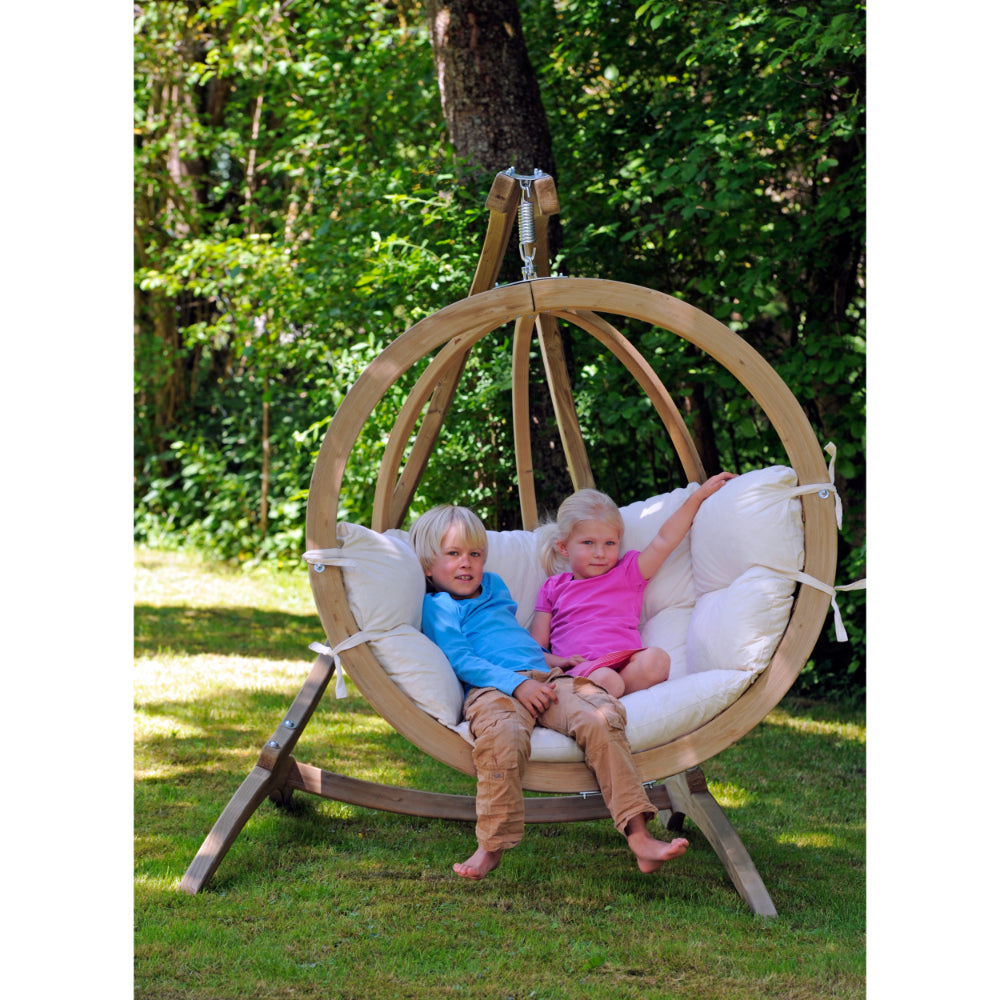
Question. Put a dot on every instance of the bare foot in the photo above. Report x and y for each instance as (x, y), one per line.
(651, 853)
(479, 865)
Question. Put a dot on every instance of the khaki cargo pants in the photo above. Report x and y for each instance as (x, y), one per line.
(501, 728)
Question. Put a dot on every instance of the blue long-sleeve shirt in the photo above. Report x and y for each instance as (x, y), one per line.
(481, 636)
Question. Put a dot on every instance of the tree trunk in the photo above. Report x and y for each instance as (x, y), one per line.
(490, 96)
(489, 93)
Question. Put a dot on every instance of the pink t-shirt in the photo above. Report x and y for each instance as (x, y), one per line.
(598, 615)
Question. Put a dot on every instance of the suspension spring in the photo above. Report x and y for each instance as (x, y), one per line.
(526, 228)
(526, 222)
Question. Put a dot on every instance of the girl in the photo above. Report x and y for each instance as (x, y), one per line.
(591, 611)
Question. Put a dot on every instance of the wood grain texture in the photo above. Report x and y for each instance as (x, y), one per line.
(707, 814)
(439, 805)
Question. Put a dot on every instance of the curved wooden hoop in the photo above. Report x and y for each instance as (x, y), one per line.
(575, 297)
(386, 511)
(641, 371)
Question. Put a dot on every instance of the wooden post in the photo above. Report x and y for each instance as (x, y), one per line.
(689, 794)
(502, 205)
(268, 777)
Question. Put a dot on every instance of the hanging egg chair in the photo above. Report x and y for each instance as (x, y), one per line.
(740, 606)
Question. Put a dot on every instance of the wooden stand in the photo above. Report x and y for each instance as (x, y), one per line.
(277, 775)
(535, 306)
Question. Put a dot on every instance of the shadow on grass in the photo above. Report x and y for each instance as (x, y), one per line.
(194, 631)
(227, 730)
(202, 749)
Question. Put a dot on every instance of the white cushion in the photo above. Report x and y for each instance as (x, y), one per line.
(751, 521)
(424, 673)
(512, 556)
(668, 629)
(679, 706)
(385, 585)
(738, 627)
(385, 589)
(713, 606)
(654, 717)
(743, 539)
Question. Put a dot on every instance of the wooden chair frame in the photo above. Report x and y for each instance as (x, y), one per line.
(533, 306)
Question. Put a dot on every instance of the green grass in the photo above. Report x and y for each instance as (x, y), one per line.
(333, 901)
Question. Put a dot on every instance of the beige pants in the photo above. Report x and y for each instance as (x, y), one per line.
(501, 727)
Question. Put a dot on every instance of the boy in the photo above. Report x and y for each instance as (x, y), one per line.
(510, 685)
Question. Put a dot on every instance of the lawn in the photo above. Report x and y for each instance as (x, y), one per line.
(335, 901)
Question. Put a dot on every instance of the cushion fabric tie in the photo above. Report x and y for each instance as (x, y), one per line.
(365, 635)
(811, 581)
(823, 489)
(321, 558)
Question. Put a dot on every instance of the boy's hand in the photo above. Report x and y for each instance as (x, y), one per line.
(535, 696)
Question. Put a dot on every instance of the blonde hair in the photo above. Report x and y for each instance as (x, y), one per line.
(583, 505)
(427, 531)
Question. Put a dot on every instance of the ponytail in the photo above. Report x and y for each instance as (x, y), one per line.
(547, 538)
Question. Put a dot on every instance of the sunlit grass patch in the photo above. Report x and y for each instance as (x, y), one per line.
(808, 839)
(730, 796)
(165, 576)
(826, 727)
(189, 677)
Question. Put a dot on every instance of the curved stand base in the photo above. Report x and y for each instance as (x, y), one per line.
(278, 775)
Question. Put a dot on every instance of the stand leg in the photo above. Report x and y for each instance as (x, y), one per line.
(689, 794)
(268, 777)
(255, 788)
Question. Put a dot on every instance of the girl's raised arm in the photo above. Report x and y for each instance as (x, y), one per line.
(673, 530)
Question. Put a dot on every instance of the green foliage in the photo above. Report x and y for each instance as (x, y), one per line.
(298, 206)
(296, 238)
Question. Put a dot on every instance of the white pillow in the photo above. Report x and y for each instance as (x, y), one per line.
(513, 557)
(680, 706)
(738, 627)
(385, 589)
(423, 672)
(751, 521)
(668, 629)
(744, 538)
(384, 581)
